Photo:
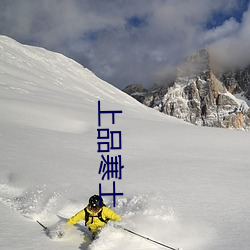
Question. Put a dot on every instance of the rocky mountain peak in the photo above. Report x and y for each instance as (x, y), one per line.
(200, 96)
(196, 64)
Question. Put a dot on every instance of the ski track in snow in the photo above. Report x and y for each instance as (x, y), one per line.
(143, 214)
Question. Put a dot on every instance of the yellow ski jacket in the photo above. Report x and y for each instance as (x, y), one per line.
(94, 223)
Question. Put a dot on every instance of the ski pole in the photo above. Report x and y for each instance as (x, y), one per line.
(45, 228)
(159, 243)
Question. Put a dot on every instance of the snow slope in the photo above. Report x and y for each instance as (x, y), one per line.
(183, 185)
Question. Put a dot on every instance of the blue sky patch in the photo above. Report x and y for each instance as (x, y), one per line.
(136, 21)
(219, 17)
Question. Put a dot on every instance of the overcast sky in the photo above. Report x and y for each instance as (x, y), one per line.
(131, 41)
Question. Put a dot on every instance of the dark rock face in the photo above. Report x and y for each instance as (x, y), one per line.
(237, 81)
(137, 91)
(201, 97)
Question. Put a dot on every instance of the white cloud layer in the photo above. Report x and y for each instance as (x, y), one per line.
(233, 49)
(132, 41)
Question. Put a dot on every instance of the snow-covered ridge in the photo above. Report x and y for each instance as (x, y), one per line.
(34, 68)
(33, 74)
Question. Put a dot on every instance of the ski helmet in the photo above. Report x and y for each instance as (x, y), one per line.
(95, 202)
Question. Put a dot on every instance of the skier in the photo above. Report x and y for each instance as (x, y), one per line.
(95, 214)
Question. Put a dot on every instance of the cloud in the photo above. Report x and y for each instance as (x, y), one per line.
(228, 28)
(233, 49)
(125, 42)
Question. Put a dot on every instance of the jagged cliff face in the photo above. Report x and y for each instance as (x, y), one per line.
(237, 81)
(201, 97)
